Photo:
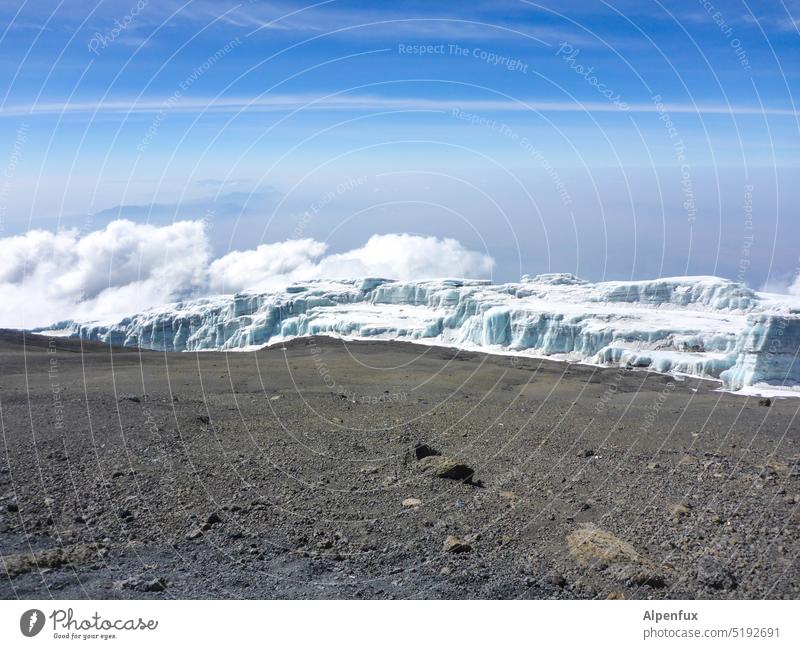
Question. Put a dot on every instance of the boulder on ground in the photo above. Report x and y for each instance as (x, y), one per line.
(713, 574)
(445, 467)
(590, 545)
(455, 545)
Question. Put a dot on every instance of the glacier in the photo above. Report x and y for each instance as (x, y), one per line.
(706, 327)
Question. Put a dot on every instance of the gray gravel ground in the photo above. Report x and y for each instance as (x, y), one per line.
(319, 470)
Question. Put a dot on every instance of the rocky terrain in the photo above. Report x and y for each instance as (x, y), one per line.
(325, 469)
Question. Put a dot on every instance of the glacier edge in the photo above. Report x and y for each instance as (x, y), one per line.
(707, 327)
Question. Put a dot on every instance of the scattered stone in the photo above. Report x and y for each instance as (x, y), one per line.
(510, 496)
(142, 585)
(589, 544)
(713, 574)
(153, 586)
(653, 466)
(765, 402)
(12, 507)
(678, 511)
(275, 398)
(412, 502)
(203, 419)
(194, 533)
(445, 467)
(643, 574)
(455, 545)
(773, 468)
(616, 595)
(421, 451)
(18, 564)
(130, 397)
(557, 579)
(586, 452)
(213, 519)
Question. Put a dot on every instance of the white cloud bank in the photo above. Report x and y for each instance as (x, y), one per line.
(784, 284)
(126, 267)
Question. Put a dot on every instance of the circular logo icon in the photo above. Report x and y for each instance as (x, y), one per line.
(31, 622)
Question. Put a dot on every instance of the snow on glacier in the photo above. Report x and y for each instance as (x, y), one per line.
(700, 326)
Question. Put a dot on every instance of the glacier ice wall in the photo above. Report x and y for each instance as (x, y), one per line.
(701, 326)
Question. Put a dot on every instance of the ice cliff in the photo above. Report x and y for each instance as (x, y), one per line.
(700, 326)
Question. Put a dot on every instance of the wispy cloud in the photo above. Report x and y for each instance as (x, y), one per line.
(272, 103)
(324, 17)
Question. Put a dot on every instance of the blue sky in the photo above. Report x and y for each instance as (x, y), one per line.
(611, 139)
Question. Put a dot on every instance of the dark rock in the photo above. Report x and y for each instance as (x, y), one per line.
(12, 507)
(129, 397)
(213, 519)
(586, 452)
(153, 586)
(422, 451)
(455, 545)
(765, 402)
(194, 533)
(634, 574)
(713, 574)
(142, 585)
(445, 467)
(203, 419)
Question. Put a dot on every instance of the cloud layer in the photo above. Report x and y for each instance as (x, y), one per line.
(126, 267)
(794, 289)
